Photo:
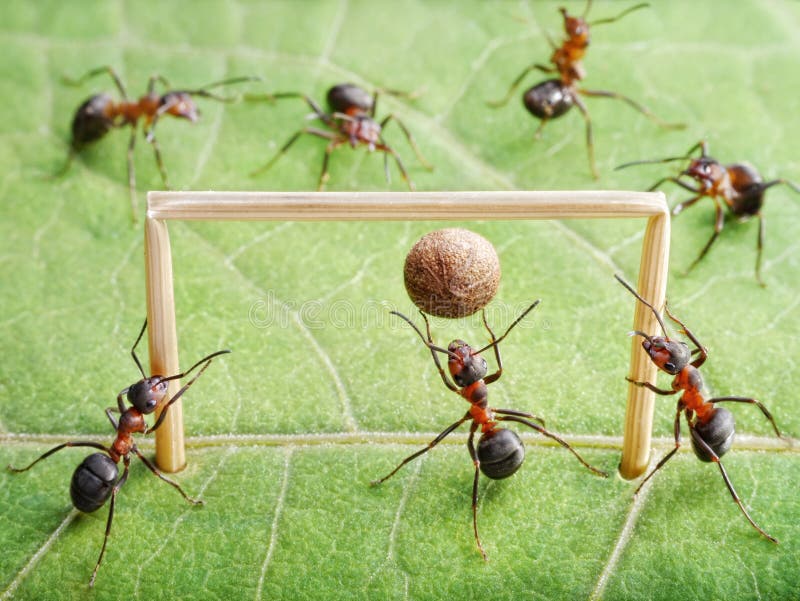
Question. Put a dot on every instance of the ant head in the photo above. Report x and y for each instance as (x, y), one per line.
(146, 394)
(705, 170)
(180, 104)
(466, 366)
(576, 28)
(670, 356)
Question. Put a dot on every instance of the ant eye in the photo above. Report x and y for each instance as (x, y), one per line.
(669, 366)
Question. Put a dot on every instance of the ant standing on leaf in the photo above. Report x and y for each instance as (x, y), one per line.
(739, 186)
(500, 451)
(711, 427)
(552, 98)
(96, 478)
(351, 121)
(101, 113)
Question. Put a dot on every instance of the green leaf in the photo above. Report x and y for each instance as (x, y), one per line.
(324, 391)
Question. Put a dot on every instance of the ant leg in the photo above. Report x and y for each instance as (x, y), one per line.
(132, 173)
(632, 103)
(151, 83)
(430, 445)
(324, 176)
(327, 119)
(93, 73)
(519, 414)
(740, 399)
(700, 348)
(151, 137)
(685, 204)
(668, 456)
(589, 137)
(172, 483)
(306, 130)
(476, 463)
(702, 444)
(759, 248)
(94, 445)
(650, 386)
(409, 137)
(558, 439)
(114, 491)
(718, 225)
(515, 84)
(111, 418)
(400, 166)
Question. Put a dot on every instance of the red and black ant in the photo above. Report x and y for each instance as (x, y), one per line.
(552, 98)
(351, 121)
(738, 185)
(500, 451)
(101, 113)
(711, 427)
(97, 477)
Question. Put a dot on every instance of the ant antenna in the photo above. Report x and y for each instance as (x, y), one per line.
(133, 350)
(193, 367)
(636, 294)
(204, 90)
(627, 11)
(515, 322)
(700, 145)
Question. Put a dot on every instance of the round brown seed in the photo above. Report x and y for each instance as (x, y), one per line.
(452, 272)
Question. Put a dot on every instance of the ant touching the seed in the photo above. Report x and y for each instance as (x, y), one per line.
(711, 427)
(500, 451)
(552, 98)
(739, 186)
(96, 478)
(101, 113)
(351, 121)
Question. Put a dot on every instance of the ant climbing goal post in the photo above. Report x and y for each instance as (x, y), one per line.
(405, 206)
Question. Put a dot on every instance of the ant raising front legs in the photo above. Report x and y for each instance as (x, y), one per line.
(711, 427)
(499, 452)
(101, 113)
(351, 121)
(97, 477)
(738, 186)
(552, 98)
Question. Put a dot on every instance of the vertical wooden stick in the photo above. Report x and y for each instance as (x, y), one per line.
(163, 340)
(641, 401)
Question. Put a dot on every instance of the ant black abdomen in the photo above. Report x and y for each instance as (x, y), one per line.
(91, 121)
(549, 99)
(92, 482)
(501, 453)
(717, 433)
(345, 97)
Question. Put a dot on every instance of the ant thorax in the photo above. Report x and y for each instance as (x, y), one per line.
(362, 129)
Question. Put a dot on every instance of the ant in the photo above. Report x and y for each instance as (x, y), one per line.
(711, 427)
(96, 478)
(101, 113)
(552, 98)
(738, 185)
(500, 451)
(351, 121)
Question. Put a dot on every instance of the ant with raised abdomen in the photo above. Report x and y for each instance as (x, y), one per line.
(711, 427)
(101, 113)
(552, 98)
(351, 121)
(500, 451)
(97, 477)
(739, 186)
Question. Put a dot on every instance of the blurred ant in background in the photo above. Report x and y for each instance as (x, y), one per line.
(351, 121)
(711, 427)
(97, 477)
(500, 451)
(739, 186)
(552, 98)
(101, 113)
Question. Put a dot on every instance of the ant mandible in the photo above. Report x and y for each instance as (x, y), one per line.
(500, 451)
(711, 427)
(552, 98)
(739, 186)
(351, 121)
(96, 478)
(101, 113)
